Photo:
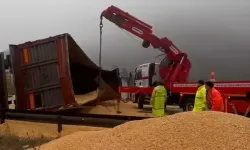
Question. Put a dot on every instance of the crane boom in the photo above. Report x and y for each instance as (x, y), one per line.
(175, 67)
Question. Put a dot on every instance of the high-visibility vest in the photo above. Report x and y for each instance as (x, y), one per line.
(200, 100)
(158, 99)
(215, 99)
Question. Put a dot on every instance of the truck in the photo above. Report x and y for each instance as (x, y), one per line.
(146, 75)
(173, 69)
(54, 73)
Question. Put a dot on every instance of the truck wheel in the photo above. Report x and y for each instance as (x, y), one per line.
(188, 105)
(140, 101)
(136, 98)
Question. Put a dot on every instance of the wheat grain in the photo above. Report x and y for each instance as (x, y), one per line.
(206, 130)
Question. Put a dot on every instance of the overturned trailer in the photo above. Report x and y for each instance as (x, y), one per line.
(55, 73)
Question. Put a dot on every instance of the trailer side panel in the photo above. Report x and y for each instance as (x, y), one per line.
(42, 76)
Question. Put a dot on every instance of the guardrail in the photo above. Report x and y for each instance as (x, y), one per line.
(61, 118)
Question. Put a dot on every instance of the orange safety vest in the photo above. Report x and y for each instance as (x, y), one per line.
(215, 99)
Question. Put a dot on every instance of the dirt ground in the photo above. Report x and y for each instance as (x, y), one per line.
(127, 109)
(110, 107)
(16, 135)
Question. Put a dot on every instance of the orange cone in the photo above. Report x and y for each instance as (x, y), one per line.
(212, 76)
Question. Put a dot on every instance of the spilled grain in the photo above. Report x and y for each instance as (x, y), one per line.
(206, 130)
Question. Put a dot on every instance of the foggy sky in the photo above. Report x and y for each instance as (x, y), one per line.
(214, 33)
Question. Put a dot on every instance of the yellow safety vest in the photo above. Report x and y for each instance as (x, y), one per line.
(200, 100)
(158, 99)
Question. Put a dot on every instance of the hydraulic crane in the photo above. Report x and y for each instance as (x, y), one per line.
(174, 67)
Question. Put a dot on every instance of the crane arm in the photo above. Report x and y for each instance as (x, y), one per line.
(177, 68)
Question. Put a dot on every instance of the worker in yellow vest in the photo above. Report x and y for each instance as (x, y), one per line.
(200, 103)
(158, 100)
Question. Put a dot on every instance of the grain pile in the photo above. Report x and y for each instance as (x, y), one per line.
(85, 98)
(207, 130)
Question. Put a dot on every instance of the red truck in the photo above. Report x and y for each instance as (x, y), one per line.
(174, 69)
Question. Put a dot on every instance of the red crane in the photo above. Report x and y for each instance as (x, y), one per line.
(175, 67)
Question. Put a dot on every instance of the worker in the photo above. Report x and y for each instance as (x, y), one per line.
(200, 98)
(158, 100)
(214, 98)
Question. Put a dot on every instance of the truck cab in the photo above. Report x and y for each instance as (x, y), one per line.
(146, 75)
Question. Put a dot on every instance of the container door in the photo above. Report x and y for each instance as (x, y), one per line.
(36, 74)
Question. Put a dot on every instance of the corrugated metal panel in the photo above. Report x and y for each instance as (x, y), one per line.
(52, 97)
(38, 67)
(41, 75)
(43, 70)
(10, 85)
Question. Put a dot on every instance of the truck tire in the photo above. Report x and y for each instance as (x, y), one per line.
(136, 98)
(140, 101)
(188, 104)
